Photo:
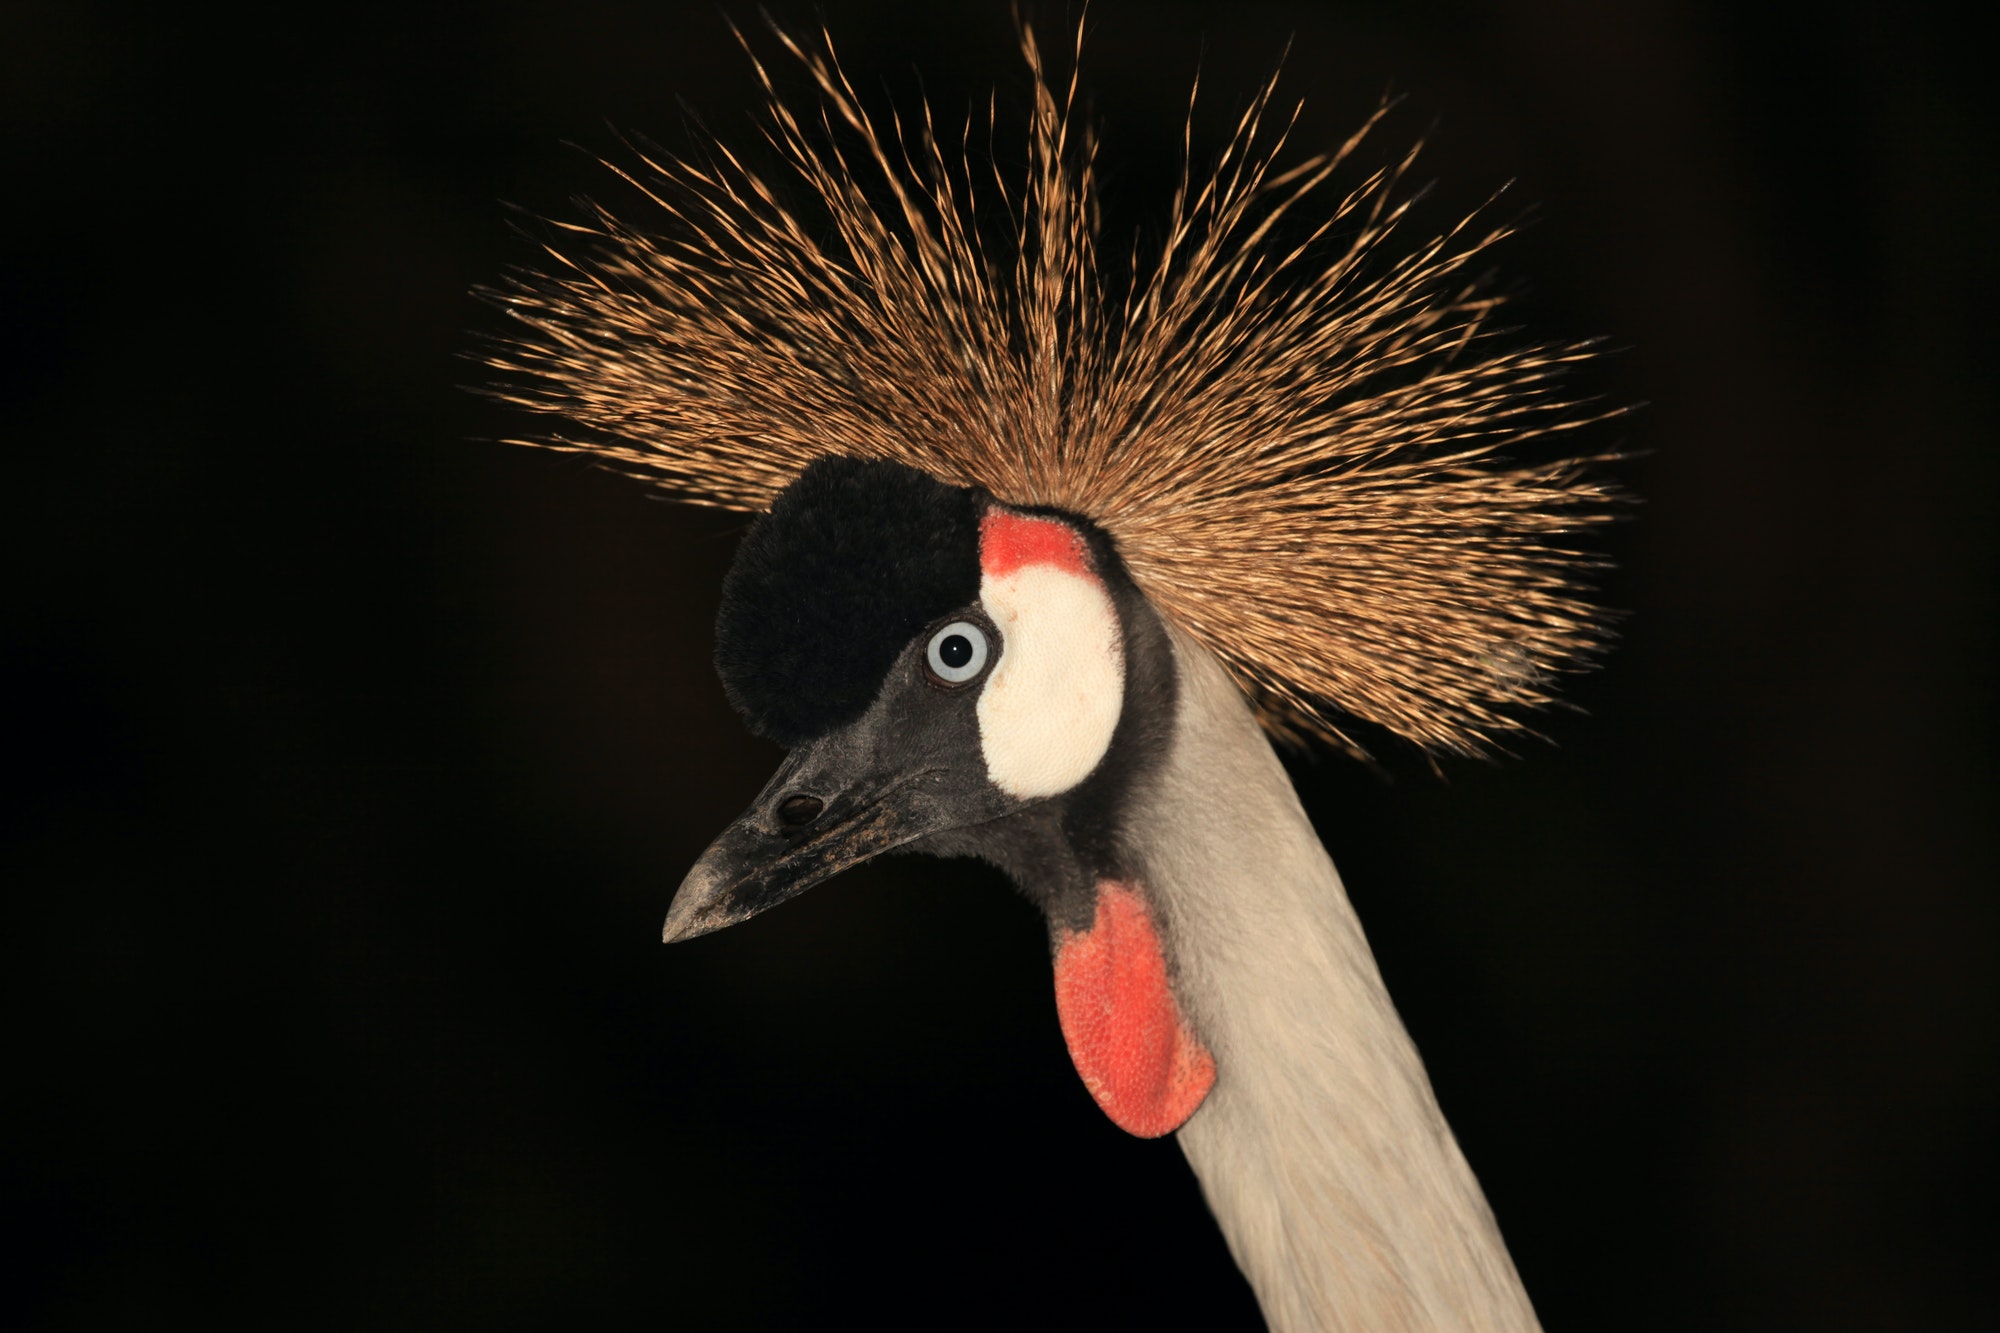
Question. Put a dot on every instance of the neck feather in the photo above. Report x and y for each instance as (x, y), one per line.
(1322, 1151)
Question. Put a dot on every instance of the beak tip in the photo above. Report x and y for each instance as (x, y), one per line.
(677, 929)
(694, 911)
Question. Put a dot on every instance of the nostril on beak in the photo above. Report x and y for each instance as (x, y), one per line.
(797, 810)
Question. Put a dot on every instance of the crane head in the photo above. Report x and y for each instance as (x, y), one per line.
(935, 662)
(957, 675)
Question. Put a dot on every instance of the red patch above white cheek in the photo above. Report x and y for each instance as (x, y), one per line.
(1007, 542)
(1052, 702)
(1123, 1027)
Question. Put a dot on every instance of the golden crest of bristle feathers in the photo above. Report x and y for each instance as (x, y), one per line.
(1302, 447)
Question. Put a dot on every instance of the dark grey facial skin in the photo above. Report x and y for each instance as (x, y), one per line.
(1057, 851)
(909, 767)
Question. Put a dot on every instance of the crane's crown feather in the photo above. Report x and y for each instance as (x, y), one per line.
(1306, 452)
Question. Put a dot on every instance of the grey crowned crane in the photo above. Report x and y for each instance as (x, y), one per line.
(1043, 561)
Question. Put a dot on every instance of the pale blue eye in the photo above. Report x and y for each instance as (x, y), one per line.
(957, 652)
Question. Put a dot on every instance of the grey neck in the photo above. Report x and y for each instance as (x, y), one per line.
(1322, 1150)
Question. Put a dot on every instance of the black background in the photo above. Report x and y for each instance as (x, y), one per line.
(353, 761)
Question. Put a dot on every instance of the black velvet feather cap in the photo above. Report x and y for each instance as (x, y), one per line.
(852, 560)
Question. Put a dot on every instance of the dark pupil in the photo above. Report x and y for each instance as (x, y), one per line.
(955, 651)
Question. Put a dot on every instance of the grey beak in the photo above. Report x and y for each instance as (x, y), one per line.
(759, 862)
(829, 806)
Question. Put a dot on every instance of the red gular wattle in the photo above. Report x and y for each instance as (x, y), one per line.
(1124, 1029)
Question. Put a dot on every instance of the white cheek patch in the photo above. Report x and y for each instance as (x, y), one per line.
(1050, 706)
